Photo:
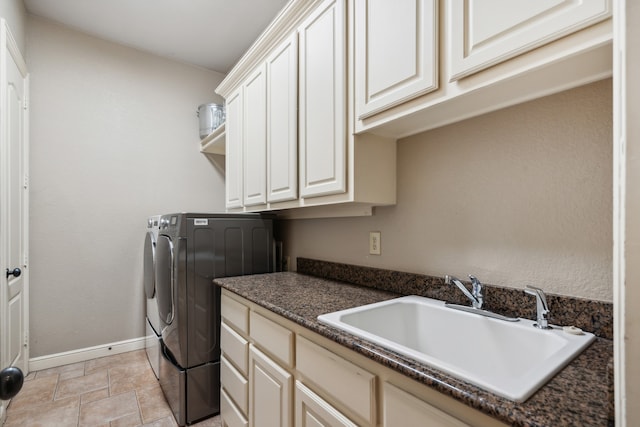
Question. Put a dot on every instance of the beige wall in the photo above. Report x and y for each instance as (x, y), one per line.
(519, 196)
(15, 14)
(114, 139)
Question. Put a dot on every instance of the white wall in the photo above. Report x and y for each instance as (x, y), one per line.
(114, 139)
(15, 14)
(519, 196)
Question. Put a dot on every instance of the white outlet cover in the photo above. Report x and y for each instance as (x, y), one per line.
(375, 247)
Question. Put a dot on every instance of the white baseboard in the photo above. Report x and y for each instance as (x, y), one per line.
(84, 354)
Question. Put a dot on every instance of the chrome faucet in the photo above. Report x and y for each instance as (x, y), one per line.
(542, 309)
(475, 295)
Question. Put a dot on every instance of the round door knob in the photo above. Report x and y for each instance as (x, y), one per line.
(16, 272)
(11, 380)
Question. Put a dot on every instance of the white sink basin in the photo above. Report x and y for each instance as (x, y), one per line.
(510, 359)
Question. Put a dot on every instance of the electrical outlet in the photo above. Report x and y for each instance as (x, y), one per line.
(375, 247)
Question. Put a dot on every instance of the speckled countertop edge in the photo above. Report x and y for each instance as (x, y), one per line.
(578, 395)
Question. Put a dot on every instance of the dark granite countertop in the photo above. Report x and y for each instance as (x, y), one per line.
(577, 396)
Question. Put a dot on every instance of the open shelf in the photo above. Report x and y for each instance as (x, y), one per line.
(215, 142)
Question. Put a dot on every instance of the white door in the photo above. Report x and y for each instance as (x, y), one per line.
(485, 33)
(270, 392)
(255, 138)
(396, 52)
(282, 122)
(313, 411)
(13, 204)
(233, 158)
(323, 101)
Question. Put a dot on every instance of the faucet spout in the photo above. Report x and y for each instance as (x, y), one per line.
(542, 309)
(475, 296)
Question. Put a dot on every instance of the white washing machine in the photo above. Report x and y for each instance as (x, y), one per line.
(153, 334)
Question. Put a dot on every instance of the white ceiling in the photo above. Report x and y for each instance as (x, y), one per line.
(210, 33)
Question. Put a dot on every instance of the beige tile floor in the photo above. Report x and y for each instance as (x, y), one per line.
(112, 391)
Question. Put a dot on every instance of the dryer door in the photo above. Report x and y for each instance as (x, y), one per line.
(150, 265)
(164, 280)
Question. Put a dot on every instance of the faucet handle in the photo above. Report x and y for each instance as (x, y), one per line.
(476, 287)
(475, 282)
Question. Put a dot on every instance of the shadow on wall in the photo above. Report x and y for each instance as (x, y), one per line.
(520, 196)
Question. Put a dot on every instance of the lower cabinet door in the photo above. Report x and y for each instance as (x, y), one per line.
(270, 393)
(313, 411)
(234, 384)
(403, 409)
(230, 414)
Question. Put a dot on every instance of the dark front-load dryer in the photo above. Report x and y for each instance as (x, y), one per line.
(192, 250)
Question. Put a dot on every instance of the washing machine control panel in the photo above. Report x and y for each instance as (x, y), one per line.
(168, 221)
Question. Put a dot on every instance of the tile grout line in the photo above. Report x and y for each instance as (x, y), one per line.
(84, 374)
(139, 408)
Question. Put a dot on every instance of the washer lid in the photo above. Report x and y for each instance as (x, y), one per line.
(149, 265)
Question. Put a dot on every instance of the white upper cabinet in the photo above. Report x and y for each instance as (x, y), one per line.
(396, 52)
(255, 129)
(315, 106)
(323, 101)
(233, 159)
(485, 33)
(282, 122)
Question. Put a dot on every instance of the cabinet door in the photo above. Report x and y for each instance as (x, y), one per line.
(230, 414)
(396, 52)
(323, 134)
(313, 411)
(282, 122)
(233, 157)
(255, 143)
(338, 378)
(484, 33)
(403, 409)
(235, 385)
(271, 392)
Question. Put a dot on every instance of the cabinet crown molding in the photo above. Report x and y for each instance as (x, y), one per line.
(283, 25)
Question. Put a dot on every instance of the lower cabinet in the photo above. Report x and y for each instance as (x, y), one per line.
(275, 373)
(236, 385)
(270, 392)
(403, 409)
(231, 416)
(313, 411)
(338, 379)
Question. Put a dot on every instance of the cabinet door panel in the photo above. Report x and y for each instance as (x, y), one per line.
(282, 122)
(322, 83)
(403, 409)
(230, 414)
(342, 380)
(255, 144)
(234, 384)
(235, 348)
(485, 33)
(396, 52)
(235, 313)
(271, 392)
(313, 411)
(273, 338)
(233, 157)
